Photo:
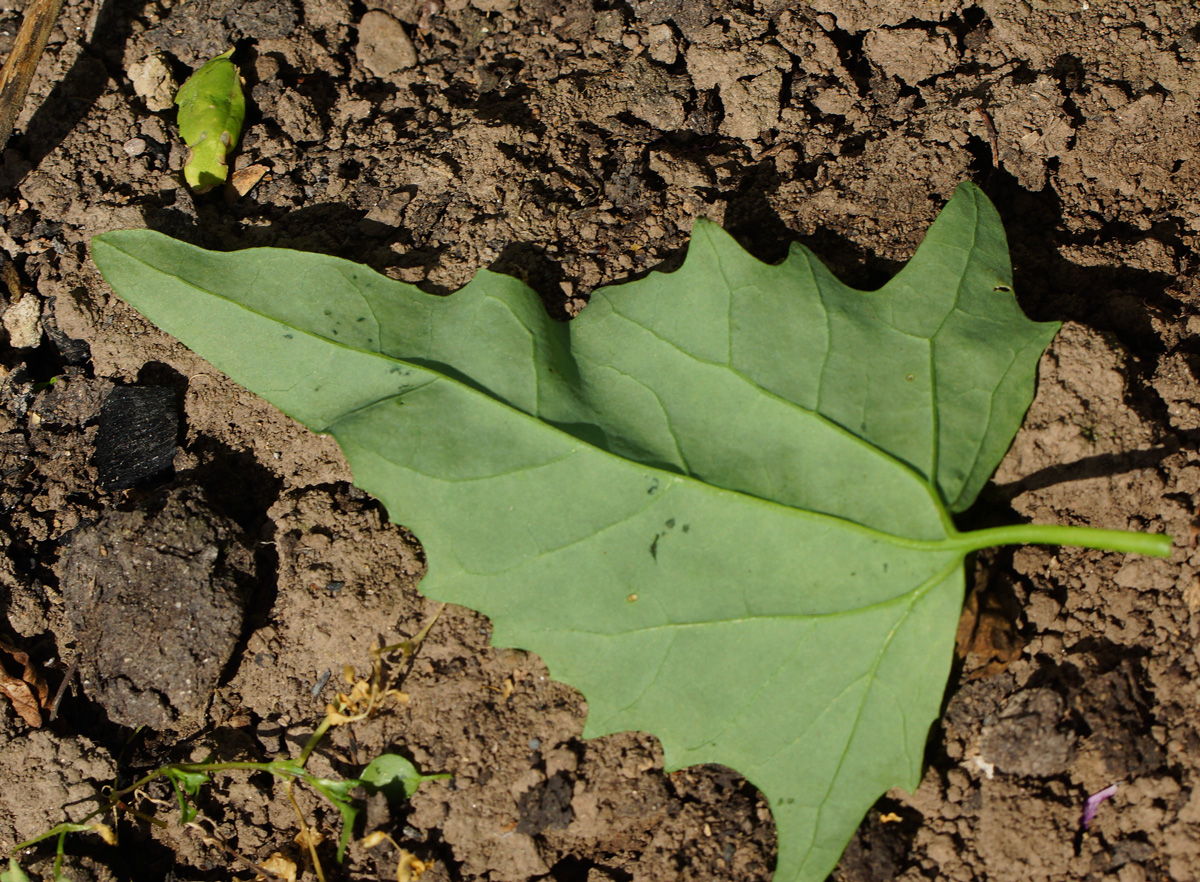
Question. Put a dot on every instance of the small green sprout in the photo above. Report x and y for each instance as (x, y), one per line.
(212, 108)
(390, 774)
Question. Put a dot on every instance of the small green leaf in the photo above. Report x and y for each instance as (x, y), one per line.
(14, 873)
(395, 777)
(719, 502)
(186, 784)
(338, 793)
(287, 768)
(334, 789)
(212, 108)
(189, 782)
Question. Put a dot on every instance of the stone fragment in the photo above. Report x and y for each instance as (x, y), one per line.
(153, 82)
(662, 44)
(1031, 736)
(23, 322)
(384, 48)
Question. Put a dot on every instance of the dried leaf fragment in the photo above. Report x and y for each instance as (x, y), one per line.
(308, 838)
(280, 867)
(373, 839)
(29, 693)
(243, 180)
(410, 868)
(987, 638)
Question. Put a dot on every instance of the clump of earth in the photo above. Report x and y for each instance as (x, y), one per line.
(157, 598)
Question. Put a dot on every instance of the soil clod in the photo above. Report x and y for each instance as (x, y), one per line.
(156, 596)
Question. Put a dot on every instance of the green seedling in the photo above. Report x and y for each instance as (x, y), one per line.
(212, 108)
(16, 874)
(720, 502)
(188, 779)
(187, 784)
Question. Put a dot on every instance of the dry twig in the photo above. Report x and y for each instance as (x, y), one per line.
(18, 69)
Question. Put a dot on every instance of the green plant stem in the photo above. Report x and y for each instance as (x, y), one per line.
(282, 768)
(315, 740)
(1149, 544)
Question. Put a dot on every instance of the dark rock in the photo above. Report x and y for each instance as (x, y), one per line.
(1030, 736)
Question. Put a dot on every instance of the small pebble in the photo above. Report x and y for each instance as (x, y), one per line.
(154, 83)
(663, 48)
(134, 146)
(383, 47)
(22, 320)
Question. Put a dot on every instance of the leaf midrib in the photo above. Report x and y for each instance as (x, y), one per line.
(884, 536)
(915, 592)
(665, 477)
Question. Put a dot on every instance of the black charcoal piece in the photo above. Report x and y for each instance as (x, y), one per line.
(136, 440)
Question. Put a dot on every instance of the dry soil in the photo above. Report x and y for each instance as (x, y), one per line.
(573, 144)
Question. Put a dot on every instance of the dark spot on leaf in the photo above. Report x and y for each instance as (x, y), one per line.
(362, 318)
(654, 546)
(1002, 288)
(670, 523)
(288, 336)
(686, 527)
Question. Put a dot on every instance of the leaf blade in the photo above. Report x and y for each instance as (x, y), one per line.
(803, 493)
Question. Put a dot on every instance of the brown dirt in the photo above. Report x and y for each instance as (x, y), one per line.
(573, 144)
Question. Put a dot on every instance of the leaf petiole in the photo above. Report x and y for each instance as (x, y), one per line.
(1149, 544)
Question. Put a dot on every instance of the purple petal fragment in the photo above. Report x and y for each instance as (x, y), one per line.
(1093, 803)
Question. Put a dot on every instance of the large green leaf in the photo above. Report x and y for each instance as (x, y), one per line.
(717, 502)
